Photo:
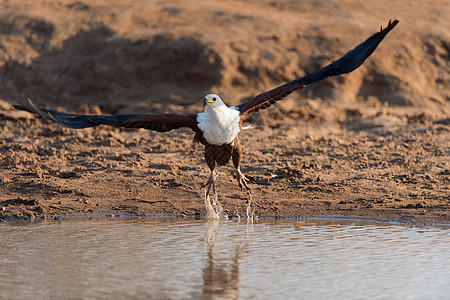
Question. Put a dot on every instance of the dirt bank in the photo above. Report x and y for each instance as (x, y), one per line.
(373, 144)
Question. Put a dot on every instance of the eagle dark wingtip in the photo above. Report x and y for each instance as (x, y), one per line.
(29, 107)
(20, 104)
(383, 31)
(381, 34)
(391, 24)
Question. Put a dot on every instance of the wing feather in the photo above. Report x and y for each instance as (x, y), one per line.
(346, 64)
(155, 122)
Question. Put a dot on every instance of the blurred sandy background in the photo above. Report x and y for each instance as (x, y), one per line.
(140, 53)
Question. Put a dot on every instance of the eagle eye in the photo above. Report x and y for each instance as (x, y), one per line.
(214, 99)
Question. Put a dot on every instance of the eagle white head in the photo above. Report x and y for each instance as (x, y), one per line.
(212, 100)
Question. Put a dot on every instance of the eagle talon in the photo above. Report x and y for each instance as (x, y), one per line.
(242, 181)
(243, 185)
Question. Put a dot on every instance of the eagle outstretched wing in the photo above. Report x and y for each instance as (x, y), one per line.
(155, 122)
(346, 64)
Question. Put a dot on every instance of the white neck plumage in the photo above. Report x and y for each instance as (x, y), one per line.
(219, 124)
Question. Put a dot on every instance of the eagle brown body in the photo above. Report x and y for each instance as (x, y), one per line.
(217, 128)
(221, 155)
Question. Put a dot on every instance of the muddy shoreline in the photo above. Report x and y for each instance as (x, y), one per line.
(371, 169)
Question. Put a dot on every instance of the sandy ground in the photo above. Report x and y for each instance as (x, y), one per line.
(374, 144)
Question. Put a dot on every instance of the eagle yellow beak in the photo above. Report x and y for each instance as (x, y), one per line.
(209, 101)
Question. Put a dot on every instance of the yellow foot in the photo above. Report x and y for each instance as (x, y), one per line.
(242, 181)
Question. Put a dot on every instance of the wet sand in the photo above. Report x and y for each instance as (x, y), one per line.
(373, 144)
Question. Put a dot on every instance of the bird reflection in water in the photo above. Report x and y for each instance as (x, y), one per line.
(220, 276)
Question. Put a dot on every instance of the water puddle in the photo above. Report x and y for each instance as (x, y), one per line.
(128, 258)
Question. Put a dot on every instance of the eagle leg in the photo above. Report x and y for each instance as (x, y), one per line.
(213, 207)
(243, 183)
(211, 182)
(242, 180)
(237, 155)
